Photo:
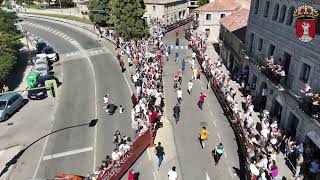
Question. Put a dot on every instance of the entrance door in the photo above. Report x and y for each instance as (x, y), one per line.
(277, 111)
(293, 124)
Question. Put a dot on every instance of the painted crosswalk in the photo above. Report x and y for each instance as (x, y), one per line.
(51, 30)
(179, 47)
(77, 54)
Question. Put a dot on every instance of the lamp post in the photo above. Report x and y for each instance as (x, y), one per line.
(14, 160)
(60, 6)
(24, 33)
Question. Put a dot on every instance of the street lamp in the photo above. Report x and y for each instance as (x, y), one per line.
(24, 33)
(14, 160)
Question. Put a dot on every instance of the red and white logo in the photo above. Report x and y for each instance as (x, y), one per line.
(306, 22)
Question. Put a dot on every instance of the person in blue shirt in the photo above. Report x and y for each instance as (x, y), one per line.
(314, 169)
(183, 63)
(177, 56)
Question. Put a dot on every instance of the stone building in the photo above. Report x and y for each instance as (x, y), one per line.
(208, 17)
(232, 38)
(271, 31)
(168, 10)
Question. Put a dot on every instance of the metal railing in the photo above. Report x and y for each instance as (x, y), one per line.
(180, 23)
(313, 111)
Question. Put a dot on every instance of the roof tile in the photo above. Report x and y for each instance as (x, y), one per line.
(220, 5)
(235, 20)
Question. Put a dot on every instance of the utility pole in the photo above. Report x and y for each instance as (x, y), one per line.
(25, 34)
(60, 6)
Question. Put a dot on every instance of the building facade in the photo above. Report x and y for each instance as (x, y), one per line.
(208, 17)
(232, 38)
(271, 32)
(168, 10)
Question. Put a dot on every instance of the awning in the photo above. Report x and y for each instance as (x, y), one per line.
(315, 138)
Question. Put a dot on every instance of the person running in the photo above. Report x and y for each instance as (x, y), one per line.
(203, 135)
(183, 64)
(190, 85)
(177, 56)
(180, 77)
(175, 83)
(159, 150)
(195, 72)
(176, 112)
(179, 94)
(199, 73)
(172, 174)
(106, 101)
(201, 100)
(217, 153)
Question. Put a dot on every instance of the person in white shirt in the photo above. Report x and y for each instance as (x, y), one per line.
(190, 85)
(172, 174)
(195, 72)
(115, 155)
(179, 94)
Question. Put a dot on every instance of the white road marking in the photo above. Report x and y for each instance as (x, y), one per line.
(214, 123)
(225, 154)
(68, 153)
(43, 150)
(207, 176)
(154, 175)
(230, 172)
(149, 155)
(202, 88)
(219, 137)
(211, 113)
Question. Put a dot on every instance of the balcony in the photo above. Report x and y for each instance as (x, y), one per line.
(281, 83)
(309, 107)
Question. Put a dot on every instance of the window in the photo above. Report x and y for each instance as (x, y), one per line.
(266, 9)
(275, 12)
(305, 72)
(271, 50)
(256, 7)
(290, 16)
(251, 43)
(154, 8)
(207, 32)
(282, 14)
(222, 15)
(260, 44)
(208, 16)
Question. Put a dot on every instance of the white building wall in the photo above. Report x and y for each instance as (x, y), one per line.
(213, 24)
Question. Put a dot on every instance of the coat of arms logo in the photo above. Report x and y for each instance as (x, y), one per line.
(306, 22)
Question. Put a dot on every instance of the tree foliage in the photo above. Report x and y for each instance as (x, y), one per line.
(127, 18)
(9, 44)
(7, 62)
(99, 11)
(202, 2)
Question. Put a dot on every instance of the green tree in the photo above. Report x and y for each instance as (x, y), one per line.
(66, 3)
(7, 21)
(99, 11)
(127, 18)
(9, 42)
(7, 62)
(202, 2)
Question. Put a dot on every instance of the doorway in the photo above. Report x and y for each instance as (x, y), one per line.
(277, 111)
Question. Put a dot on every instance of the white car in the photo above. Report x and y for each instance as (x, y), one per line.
(40, 61)
(50, 53)
(42, 69)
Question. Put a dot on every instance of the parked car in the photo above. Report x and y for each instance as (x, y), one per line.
(38, 61)
(42, 69)
(9, 103)
(50, 53)
(40, 46)
(41, 93)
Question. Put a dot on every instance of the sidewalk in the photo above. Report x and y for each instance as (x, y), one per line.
(67, 11)
(284, 171)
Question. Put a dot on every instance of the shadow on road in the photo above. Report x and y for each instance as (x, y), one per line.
(19, 70)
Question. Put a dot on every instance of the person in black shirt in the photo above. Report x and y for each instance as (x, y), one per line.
(176, 112)
(159, 153)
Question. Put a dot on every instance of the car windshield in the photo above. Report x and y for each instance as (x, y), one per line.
(41, 69)
(2, 105)
(48, 51)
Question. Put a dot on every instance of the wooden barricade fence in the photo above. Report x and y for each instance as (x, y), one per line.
(232, 118)
(127, 160)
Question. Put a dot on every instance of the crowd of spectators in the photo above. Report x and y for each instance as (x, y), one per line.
(262, 140)
(144, 61)
(311, 101)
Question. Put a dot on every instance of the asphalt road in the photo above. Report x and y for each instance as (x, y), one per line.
(87, 77)
(197, 163)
